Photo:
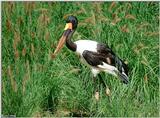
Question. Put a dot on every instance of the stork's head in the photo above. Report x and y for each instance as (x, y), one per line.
(71, 25)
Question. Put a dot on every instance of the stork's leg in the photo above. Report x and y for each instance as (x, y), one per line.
(96, 88)
(107, 90)
(95, 80)
(101, 81)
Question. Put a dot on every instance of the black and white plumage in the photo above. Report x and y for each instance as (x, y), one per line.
(98, 56)
(101, 58)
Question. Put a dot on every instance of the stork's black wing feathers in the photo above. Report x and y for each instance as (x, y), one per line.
(103, 48)
(93, 58)
(104, 54)
(96, 58)
(115, 60)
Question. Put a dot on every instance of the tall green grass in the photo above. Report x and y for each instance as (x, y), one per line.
(35, 84)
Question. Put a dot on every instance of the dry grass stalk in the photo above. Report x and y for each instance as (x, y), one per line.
(29, 6)
(129, 6)
(13, 82)
(139, 47)
(10, 7)
(44, 11)
(76, 13)
(124, 29)
(144, 61)
(119, 10)
(20, 21)
(14, 44)
(113, 4)
(114, 15)
(9, 72)
(8, 25)
(129, 16)
(115, 20)
(94, 19)
(16, 40)
(17, 37)
(32, 35)
(16, 54)
(146, 78)
(27, 67)
(43, 19)
(47, 36)
(46, 20)
(17, 70)
(3, 88)
(32, 49)
(81, 24)
(23, 51)
(97, 7)
(90, 20)
(152, 34)
(96, 31)
(79, 12)
(136, 50)
(78, 3)
(142, 26)
(103, 19)
(25, 78)
(40, 19)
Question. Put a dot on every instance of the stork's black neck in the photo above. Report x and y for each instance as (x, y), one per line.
(69, 43)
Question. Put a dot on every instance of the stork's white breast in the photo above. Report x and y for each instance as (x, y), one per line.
(86, 45)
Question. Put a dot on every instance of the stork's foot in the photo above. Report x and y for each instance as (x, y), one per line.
(96, 96)
(96, 88)
(108, 92)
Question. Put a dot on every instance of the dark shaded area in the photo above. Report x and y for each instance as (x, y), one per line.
(76, 114)
(51, 101)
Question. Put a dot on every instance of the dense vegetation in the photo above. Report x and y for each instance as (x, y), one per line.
(35, 84)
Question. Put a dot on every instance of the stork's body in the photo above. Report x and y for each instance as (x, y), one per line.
(98, 56)
(86, 49)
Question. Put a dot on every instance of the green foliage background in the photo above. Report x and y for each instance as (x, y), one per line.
(35, 84)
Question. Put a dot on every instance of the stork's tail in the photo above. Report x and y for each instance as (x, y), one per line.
(123, 70)
(121, 74)
(123, 77)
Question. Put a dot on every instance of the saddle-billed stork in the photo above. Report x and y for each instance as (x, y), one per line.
(98, 56)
